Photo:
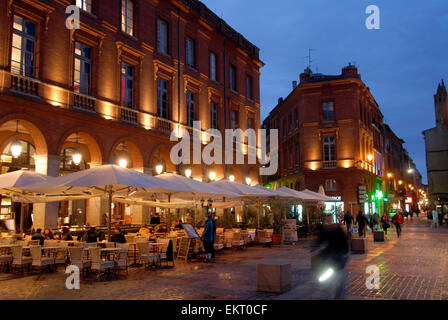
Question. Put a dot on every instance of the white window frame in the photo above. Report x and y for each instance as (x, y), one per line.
(27, 70)
(83, 61)
(127, 17)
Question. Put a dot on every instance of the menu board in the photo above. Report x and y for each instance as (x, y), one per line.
(190, 230)
(184, 248)
(290, 230)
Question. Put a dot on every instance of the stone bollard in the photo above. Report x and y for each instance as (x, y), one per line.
(378, 236)
(359, 245)
(274, 277)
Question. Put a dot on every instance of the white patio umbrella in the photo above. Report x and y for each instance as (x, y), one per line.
(246, 191)
(105, 180)
(301, 195)
(12, 184)
(321, 197)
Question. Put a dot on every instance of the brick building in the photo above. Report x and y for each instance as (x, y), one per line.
(332, 135)
(114, 89)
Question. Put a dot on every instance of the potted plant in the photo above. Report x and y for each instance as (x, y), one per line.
(277, 236)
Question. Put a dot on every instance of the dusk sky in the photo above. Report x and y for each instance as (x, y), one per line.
(402, 63)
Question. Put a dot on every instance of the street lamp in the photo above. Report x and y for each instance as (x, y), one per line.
(370, 157)
(400, 182)
(248, 181)
(77, 157)
(16, 146)
(232, 178)
(212, 175)
(188, 173)
(389, 175)
(123, 163)
(159, 168)
(410, 171)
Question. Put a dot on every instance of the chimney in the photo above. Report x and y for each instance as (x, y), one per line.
(280, 100)
(350, 71)
(306, 75)
(294, 85)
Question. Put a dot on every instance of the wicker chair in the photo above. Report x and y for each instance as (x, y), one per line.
(237, 242)
(166, 253)
(77, 258)
(6, 259)
(146, 258)
(98, 265)
(39, 261)
(19, 260)
(121, 260)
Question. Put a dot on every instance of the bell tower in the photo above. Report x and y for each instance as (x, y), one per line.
(441, 106)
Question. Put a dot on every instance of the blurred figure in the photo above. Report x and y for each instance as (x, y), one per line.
(385, 223)
(348, 220)
(208, 237)
(178, 224)
(48, 234)
(38, 236)
(118, 236)
(376, 221)
(361, 221)
(435, 219)
(91, 235)
(66, 235)
(155, 219)
(334, 254)
(144, 229)
(398, 221)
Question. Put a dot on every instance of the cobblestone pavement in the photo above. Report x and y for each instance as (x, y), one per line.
(412, 267)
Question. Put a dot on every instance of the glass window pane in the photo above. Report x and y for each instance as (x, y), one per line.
(18, 21)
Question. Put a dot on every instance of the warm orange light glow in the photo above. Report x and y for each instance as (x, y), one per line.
(370, 157)
(400, 182)
(389, 175)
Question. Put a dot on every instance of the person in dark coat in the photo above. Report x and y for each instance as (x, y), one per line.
(361, 221)
(385, 223)
(118, 236)
(348, 220)
(38, 236)
(92, 235)
(66, 235)
(208, 237)
(155, 219)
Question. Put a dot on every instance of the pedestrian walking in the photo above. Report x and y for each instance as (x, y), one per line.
(208, 237)
(398, 221)
(348, 220)
(385, 223)
(361, 221)
(375, 221)
(435, 219)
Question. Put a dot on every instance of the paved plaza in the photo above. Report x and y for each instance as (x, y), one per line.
(412, 267)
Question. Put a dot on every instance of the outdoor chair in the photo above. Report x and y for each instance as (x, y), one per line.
(90, 245)
(77, 259)
(130, 238)
(60, 255)
(98, 265)
(263, 238)
(166, 253)
(146, 258)
(245, 237)
(6, 259)
(228, 236)
(121, 260)
(219, 243)
(39, 261)
(19, 260)
(236, 240)
(110, 244)
(47, 243)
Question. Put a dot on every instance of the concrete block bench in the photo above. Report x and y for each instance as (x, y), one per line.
(378, 236)
(359, 245)
(274, 277)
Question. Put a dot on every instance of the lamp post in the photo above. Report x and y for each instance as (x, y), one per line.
(77, 157)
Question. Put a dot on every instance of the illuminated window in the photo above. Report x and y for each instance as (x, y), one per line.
(127, 85)
(213, 66)
(190, 54)
(162, 36)
(213, 115)
(162, 98)
(82, 69)
(85, 5)
(327, 111)
(190, 109)
(23, 53)
(127, 17)
(331, 185)
(329, 146)
(233, 119)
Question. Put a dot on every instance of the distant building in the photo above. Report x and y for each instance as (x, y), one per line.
(436, 140)
(331, 134)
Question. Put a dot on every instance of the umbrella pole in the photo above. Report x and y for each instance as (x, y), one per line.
(109, 228)
(169, 214)
(22, 216)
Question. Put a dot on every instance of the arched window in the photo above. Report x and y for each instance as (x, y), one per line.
(331, 185)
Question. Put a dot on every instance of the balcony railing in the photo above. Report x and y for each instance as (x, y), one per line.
(329, 164)
(163, 126)
(129, 115)
(84, 103)
(24, 85)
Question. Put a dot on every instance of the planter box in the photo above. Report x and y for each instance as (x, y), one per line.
(277, 239)
(359, 245)
(378, 236)
(274, 277)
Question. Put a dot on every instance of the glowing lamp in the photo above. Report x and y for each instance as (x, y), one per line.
(232, 178)
(159, 169)
(370, 157)
(212, 175)
(188, 173)
(77, 157)
(248, 180)
(16, 149)
(123, 163)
